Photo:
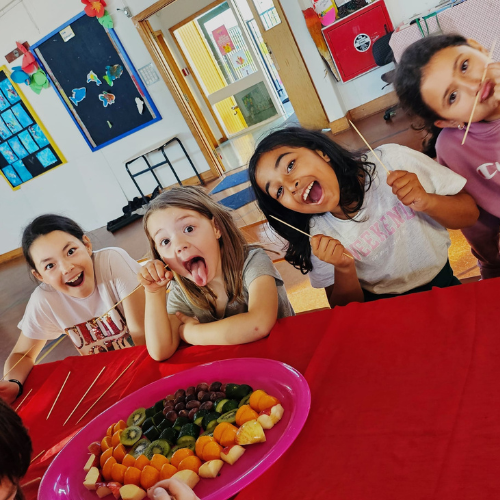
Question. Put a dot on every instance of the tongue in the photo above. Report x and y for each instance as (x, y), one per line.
(315, 193)
(199, 272)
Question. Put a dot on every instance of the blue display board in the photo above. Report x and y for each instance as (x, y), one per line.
(96, 81)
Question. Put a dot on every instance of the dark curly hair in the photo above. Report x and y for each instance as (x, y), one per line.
(408, 80)
(353, 172)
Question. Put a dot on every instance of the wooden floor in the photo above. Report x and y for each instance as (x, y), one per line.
(16, 285)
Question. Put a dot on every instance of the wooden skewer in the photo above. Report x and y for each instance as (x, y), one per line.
(24, 399)
(476, 100)
(116, 380)
(78, 404)
(22, 357)
(69, 373)
(303, 232)
(369, 147)
(31, 482)
(41, 453)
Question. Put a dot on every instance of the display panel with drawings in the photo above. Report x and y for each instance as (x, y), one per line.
(26, 148)
(96, 81)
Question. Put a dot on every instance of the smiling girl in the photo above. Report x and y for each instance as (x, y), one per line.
(373, 235)
(77, 287)
(437, 80)
(223, 290)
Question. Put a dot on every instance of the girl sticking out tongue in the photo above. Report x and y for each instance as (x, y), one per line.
(215, 276)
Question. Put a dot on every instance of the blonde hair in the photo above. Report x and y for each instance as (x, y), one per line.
(233, 246)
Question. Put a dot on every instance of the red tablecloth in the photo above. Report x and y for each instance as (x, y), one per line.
(405, 399)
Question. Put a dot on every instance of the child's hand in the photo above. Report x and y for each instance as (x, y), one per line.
(154, 277)
(185, 320)
(406, 186)
(171, 488)
(331, 251)
(8, 391)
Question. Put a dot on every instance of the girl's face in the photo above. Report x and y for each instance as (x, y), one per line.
(452, 79)
(300, 179)
(65, 263)
(187, 242)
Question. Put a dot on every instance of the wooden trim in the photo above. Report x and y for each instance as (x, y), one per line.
(373, 107)
(339, 125)
(147, 35)
(13, 254)
(195, 15)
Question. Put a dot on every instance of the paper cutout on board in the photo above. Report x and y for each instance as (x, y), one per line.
(11, 121)
(78, 95)
(17, 147)
(94, 8)
(21, 115)
(5, 133)
(22, 171)
(4, 103)
(107, 99)
(12, 176)
(39, 81)
(28, 142)
(67, 33)
(19, 76)
(140, 105)
(46, 157)
(38, 135)
(106, 21)
(9, 92)
(7, 153)
(113, 73)
(92, 77)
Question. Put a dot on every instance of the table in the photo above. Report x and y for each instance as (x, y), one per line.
(151, 168)
(405, 398)
(477, 19)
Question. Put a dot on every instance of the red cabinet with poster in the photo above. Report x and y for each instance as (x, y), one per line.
(351, 38)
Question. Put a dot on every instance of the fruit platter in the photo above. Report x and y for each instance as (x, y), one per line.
(216, 427)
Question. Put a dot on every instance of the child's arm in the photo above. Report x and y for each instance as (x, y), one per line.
(346, 287)
(240, 328)
(453, 211)
(133, 307)
(162, 338)
(9, 390)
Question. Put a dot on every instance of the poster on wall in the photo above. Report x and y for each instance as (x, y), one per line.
(26, 148)
(223, 40)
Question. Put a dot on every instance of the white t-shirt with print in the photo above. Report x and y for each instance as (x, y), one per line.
(50, 313)
(394, 247)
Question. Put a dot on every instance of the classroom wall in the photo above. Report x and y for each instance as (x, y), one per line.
(92, 188)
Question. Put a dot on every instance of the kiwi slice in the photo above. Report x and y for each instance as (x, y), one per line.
(229, 417)
(244, 401)
(228, 406)
(139, 447)
(130, 435)
(137, 418)
(158, 447)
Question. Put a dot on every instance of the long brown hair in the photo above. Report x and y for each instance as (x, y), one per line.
(233, 247)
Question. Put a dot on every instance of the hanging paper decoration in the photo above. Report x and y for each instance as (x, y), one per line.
(94, 8)
(28, 65)
(106, 20)
(78, 95)
(107, 99)
(39, 81)
(140, 105)
(113, 73)
(92, 77)
(19, 76)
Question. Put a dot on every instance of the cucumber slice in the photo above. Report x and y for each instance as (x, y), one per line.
(230, 417)
(139, 447)
(206, 433)
(198, 417)
(150, 412)
(180, 421)
(170, 435)
(230, 391)
(244, 401)
(166, 424)
(158, 418)
(152, 433)
(189, 430)
(148, 423)
(228, 406)
(241, 391)
(209, 417)
(220, 404)
(186, 441)
(159, 405)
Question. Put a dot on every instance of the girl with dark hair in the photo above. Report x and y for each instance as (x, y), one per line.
(438, 80)
(77, 287)
(373, 235)
(223, 290)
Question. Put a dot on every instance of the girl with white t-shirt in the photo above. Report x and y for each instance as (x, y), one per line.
(373, 235)
(77, 288)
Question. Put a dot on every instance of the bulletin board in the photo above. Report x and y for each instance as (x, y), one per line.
(96, 81)
(26, 148)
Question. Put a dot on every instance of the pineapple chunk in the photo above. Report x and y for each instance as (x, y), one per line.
(132, 492)
(210, 469)
(232, 453)
(250, 432)
(187, 476)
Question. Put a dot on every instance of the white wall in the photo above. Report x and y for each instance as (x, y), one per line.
(92, 187)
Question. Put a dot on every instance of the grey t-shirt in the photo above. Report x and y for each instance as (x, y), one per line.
(256, 264)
